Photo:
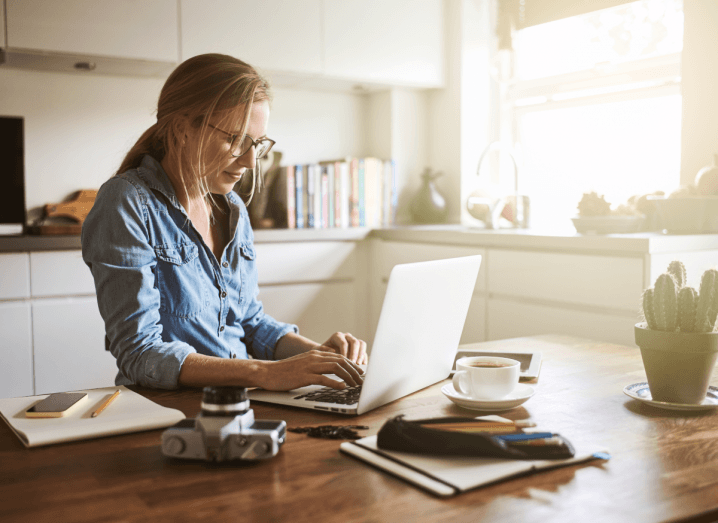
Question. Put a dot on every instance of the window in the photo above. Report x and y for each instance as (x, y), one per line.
(593, 103)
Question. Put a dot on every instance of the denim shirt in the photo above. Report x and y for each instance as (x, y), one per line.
(161, 291)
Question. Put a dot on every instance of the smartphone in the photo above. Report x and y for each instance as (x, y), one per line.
(57, 405)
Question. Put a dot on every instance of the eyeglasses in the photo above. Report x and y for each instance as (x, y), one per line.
(239, 147)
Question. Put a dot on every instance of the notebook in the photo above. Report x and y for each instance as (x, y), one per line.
(130, 412)
(416, 339)
(447, 476)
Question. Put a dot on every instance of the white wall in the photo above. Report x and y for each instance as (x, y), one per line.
(79, 127)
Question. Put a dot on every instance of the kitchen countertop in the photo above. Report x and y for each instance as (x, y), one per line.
(525, 239)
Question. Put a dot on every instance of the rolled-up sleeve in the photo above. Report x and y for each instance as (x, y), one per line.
(116, 248)
(262, 331)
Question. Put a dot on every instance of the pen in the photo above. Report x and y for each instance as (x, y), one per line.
(105, 404)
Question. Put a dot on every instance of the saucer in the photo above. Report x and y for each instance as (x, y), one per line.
(521, 393)
(641, 392)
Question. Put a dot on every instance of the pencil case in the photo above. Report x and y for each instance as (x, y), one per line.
(417, 437)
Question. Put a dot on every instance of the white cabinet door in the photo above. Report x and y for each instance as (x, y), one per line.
(512, 319)
(271, 34)
(60, 273)
(319, 310)
(134, 29)
(15, 350)
(394, 41)
(14, 276)
(69, 339)
(293, 262)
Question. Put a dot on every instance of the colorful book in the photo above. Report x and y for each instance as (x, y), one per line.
(311, 190)
(330, 195)
(354, 220)
(324, 184)
(291, 198)
(300, 199)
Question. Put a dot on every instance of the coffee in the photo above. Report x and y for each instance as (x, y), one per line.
(488, 364)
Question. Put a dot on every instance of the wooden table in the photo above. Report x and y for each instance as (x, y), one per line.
(664, 464)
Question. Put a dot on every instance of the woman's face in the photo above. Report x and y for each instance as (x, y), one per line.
(231, 169)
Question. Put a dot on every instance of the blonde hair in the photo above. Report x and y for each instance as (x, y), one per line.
(200, 88)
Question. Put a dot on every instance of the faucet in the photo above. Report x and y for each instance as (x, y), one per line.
(488, 210)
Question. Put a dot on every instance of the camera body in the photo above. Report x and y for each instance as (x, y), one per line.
(225, 430)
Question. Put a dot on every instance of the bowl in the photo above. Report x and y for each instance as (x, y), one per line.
(608, 224)
(687, 214)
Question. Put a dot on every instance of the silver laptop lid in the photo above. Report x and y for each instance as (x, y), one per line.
(419, 329)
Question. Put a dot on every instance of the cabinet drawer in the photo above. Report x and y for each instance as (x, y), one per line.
(60, 273)
(319, 310)
(513, 319)
(15, 350)
(293, 262)
(600, 281)
(14, 276)
(388, 254)
(69, 340)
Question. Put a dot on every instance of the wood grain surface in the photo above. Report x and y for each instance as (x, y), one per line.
(664, 464)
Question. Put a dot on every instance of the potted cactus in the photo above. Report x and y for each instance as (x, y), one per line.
(678, 340)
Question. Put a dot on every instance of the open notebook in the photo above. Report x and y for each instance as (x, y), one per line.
(130, 412)
(451, 475)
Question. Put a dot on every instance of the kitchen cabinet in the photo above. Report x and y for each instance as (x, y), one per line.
(69, 345)
(387, 254)
(132, 29)
(388, 41)
(16, 372)
(317, 285)
(15, 271)
(271, 34)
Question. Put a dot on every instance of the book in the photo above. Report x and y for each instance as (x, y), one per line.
(130, 412)
(354, 193)
(300, 200)
(343, 197)
(324, 186)
(331, 200)
(291, 198)
(450, 475)
(310, 186)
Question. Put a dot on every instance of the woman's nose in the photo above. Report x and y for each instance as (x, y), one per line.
(248, 159)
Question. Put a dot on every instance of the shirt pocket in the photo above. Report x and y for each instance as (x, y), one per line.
(179, 280)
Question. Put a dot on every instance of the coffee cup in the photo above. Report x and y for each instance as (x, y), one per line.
(486, 377)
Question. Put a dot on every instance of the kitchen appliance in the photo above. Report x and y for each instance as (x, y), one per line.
(12, 173)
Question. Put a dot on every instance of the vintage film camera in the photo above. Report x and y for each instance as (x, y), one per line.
(225, 430)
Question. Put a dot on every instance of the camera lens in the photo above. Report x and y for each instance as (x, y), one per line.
(224, 401)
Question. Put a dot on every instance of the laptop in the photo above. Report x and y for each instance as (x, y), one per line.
(416, 339)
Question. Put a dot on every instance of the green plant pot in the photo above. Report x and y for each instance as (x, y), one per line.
(678, 365)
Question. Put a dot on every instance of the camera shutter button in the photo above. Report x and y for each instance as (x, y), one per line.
(175, 445)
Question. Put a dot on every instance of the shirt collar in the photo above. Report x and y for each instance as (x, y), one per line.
(157, 179)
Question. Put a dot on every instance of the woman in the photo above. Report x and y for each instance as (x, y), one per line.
(171, 250)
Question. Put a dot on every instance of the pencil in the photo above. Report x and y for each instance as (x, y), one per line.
(105, 404)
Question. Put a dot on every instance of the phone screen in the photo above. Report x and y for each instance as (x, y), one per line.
(56, 405)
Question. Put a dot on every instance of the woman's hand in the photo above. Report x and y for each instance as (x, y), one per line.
(346, 345)
(308, 369)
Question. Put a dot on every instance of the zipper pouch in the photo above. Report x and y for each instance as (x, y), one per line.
(455, 436)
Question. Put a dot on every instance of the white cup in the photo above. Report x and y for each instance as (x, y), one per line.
(486, 377)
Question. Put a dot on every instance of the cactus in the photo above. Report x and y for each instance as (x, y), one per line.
(687, 302)
(665, 300)
(671, 306)
(706, 309)
(678, 271)
(648, 309)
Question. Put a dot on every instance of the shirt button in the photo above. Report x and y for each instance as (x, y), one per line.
(225, 264)
(221, 328)
(234, 356)
(224, 294)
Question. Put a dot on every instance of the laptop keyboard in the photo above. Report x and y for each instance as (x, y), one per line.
(348, 396)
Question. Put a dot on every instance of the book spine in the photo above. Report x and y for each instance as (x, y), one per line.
(354, 194)
(317, 200)
(361, 192)
(338, 194)
(325, 198)
(311, 189)
(344, 195)
(291, 198)
(299, 180)
(330, 195)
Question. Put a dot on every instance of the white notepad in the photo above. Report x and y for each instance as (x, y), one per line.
(130, 412)
(450, 475)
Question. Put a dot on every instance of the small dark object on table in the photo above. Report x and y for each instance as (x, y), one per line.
(330, 431)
